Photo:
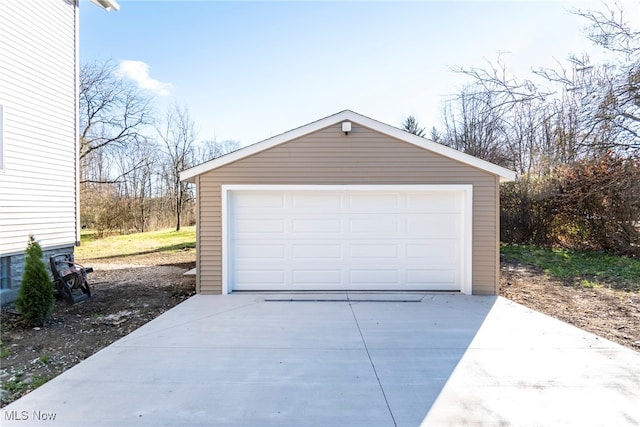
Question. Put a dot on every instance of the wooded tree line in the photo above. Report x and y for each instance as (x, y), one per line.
(131, 157)
(572, 134)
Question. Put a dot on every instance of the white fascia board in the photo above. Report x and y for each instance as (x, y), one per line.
(107, 5)
(504, 174)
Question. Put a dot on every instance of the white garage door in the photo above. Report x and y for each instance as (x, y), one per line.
(358, 239)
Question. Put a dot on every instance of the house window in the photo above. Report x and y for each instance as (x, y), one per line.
(5, 275)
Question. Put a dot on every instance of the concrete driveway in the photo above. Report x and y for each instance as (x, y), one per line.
(345, 360)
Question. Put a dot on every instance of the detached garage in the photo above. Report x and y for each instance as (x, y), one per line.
(347, 203)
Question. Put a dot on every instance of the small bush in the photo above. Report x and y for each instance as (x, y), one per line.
(526, 210)
(36, 295)
(599, 202)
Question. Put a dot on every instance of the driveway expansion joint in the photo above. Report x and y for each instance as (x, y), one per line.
(373, 366)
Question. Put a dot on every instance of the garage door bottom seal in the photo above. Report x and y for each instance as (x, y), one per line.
(347, 298)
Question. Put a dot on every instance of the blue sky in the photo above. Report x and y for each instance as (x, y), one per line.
(251, 70)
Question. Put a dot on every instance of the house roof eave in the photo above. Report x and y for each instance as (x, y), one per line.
(107, 5)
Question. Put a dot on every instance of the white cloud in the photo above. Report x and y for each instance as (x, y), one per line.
(138, 71)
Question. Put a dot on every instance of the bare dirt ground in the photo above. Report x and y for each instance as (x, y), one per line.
(130, 292)
(609, 313)
(126, 294)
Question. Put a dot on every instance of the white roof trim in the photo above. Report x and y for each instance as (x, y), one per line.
(504, 174)
(107, 5)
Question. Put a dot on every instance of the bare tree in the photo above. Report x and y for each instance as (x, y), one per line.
(609, 92)
(211, 149)
(178, 135)
(504, 88)
(136, 162)
(112, 112)
(619, 97)
(474, 125)
(611, 30)
(503, 118)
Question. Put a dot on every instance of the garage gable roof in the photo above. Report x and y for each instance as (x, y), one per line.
(348, 115)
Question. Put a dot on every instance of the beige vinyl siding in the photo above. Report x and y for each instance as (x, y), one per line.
(362, 157)
(38, 94)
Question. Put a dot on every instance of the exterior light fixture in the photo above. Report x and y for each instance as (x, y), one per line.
(346, 127)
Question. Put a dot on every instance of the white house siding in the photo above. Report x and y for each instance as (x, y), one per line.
(38, 90)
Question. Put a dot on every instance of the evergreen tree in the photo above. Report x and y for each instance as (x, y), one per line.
(36, 295)
(411, 125)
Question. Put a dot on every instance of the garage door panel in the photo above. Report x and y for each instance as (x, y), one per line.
(373, 251)
(434, 226)
(374, 225)
(445, 278)
(433, 201)
(345, 240)
(249, 277)
(258, 226)
(318, 277)
(317, 225)
(318, 252)
(261, 200)
(374, 277)
(369, 202)
(324, 201)
(259, 252)
(440, 249)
